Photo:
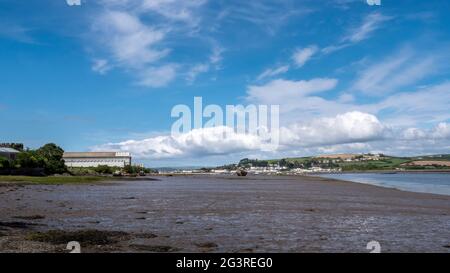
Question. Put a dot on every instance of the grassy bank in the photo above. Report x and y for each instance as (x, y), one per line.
(51, 180)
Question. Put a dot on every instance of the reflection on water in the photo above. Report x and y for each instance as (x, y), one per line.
(438, 183)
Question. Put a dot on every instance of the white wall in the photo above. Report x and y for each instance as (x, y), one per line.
(94, 162)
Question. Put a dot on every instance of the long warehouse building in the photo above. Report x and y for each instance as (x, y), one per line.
(95, 159)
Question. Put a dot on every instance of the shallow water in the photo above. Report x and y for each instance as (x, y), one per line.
(438, 183)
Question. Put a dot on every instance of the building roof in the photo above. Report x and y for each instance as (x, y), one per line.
(95, 154)
(8, 150)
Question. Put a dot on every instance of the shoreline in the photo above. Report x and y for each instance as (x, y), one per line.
(389, 184)
(105, 180)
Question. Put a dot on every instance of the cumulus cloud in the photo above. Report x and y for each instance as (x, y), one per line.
(201, 142)
(439, 132)
(353, 131)
(346, 128)
(307, 99)
(303, 55)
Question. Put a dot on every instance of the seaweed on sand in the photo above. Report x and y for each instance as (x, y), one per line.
(84, 237)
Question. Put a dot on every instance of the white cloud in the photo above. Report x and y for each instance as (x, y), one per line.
(346, 128)
(402, 69)
(303, 55)
(268, 15)
(216, 56)
(157, 76)
(306, 100)
(413, 134)
(101, 66)
(131, 42)
(346, 98)
(201, 142)
(441, 131)
(349, 127)
(291, 95)
(184, 11)
(423, 106)
(175, 10)
(370, 24)
(137, 44)
(195, 71)
(271, 72)
(284, 90)
(214, 61)
(353, 131)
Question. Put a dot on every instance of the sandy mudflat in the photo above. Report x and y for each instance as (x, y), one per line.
(224, 214)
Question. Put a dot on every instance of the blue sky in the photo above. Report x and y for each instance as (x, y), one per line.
(105, 75)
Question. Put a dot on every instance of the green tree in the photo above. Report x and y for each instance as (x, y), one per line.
(29, 159)
(4, 163)
(53, 156)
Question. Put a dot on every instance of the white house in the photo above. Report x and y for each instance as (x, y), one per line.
(94, 159)
(8, 153)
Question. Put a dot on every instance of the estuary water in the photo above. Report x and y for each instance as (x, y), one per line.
(438, 183)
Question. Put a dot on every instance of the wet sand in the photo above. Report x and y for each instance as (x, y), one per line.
(226, 214)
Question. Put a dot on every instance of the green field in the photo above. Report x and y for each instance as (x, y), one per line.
(389, 163)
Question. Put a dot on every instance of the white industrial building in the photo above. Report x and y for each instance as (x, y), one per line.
(8, 153)
(95, 159)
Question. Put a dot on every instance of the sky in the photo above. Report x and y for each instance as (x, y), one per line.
(104, 75)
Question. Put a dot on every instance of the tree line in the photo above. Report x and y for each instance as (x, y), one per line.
(49, 158)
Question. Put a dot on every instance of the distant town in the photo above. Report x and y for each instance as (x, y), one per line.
(331, 163)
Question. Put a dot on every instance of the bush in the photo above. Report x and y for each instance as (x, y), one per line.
(104, 169)
(137, 169)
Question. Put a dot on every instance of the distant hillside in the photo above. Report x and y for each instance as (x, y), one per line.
(356, 162)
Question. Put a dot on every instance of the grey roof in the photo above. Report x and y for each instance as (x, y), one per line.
(8, 150)
(94, 154)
